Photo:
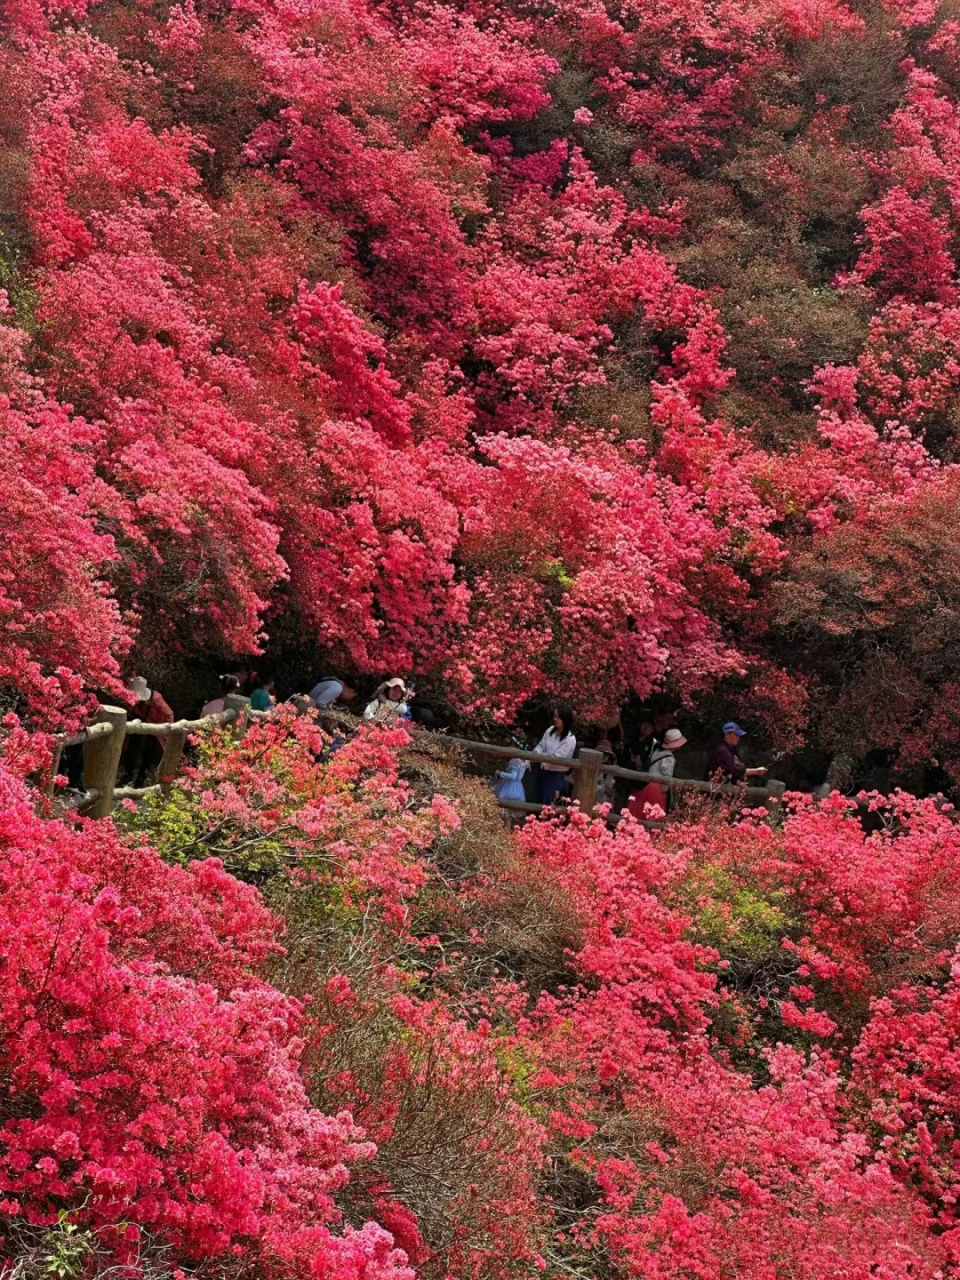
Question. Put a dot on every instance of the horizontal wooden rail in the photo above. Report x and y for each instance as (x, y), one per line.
(103, 741)
(137, 793)
(695, 784)
(513, 753)
(145, 729)
(590, 764)
(104, 728)
(522, 806)
(92, 732)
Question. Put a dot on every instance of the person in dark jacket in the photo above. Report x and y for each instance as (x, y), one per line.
(726, 763)
(647, 744)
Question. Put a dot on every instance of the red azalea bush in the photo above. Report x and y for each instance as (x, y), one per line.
(398, 330)
(546, 350)
(691, 1166)
(723, 1048)
(593, 1049)
(151, 1075)
(906, 1074)
(60, 629)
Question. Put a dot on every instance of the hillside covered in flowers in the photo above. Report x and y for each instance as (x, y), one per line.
(545, 349)
(322, 1017)
(571, 348)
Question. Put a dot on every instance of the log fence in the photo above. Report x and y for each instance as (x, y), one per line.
(589, 765)
(103, 741)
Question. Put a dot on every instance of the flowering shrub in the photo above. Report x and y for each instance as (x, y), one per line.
(345, 849)
(578, 1048)
(407, 329)
(582, 350)
(60, 630)
(152, 1075)
(475, 1052)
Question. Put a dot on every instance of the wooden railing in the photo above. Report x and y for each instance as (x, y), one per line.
(104, 739)
(589, 765)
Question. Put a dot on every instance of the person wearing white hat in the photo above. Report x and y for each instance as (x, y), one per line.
(662, 758)
(142, 754)
(140, 689)
(662, 764)
(389, 703)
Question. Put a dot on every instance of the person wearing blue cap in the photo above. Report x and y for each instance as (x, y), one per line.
(725, 761)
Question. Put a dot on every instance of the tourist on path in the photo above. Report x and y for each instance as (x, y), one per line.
(142, 754)
(509, 784)
(726, 762)
(841, 776)
(606, 782)
(663, 762)
(559, 741)
(264, 695)
(330, 690)
(228, 684)
(389, 703)
(646, 745)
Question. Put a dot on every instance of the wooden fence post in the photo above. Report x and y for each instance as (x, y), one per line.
(775, 792)
(238, 703)
(170, 761)
(585, 779)
(55, 766)
(102, 759)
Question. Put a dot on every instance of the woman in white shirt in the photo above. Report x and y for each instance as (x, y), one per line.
(557, 741)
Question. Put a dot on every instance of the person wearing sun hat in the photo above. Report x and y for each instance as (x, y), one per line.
(141, 755)
(662, 758)
(389, 702)
(662, 764)
(725, 762)
(151, 706)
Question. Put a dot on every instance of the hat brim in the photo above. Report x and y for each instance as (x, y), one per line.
(675, 746)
